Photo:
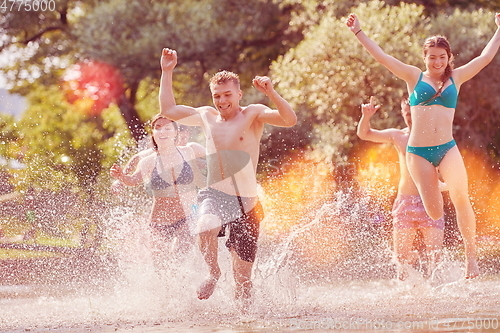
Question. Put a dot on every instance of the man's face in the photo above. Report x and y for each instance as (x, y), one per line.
(226, 97)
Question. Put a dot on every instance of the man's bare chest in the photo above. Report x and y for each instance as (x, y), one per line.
(230, 134)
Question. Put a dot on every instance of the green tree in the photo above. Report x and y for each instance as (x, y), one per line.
(66, 152)
(9, 135)
(244, 36)
(9, 150)
(329, 74)
(435, 6)
(62, 145)
(43, 45)
(39, 45)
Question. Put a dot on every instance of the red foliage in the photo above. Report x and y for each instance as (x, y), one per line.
(94, 85)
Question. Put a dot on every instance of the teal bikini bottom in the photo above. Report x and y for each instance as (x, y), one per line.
(433, 154)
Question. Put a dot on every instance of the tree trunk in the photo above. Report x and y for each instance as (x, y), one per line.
(131, 117)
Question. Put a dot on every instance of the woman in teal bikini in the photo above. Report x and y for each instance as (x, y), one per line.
(433, 98)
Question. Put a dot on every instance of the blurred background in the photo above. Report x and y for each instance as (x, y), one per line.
(79, 81)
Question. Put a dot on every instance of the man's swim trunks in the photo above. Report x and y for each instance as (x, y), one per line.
(408, 212)
(241, 214)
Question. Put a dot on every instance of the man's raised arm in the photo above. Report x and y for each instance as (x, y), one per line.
(183, 114)
(285, 115)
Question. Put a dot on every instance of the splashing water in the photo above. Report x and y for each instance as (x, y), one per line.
(332, 270)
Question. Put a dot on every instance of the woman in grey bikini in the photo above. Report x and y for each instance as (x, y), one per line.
(171, 175)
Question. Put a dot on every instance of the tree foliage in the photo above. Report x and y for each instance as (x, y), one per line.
(243, 36)
(435, 6)
(39, 45)
(62, 146)
(325, 77)
(9, 135)
(329, 74)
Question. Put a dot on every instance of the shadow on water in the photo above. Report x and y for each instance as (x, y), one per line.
(332, 270)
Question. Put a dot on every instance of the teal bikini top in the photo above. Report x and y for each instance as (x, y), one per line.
(423, 91)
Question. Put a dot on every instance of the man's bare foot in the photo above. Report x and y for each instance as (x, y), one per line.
(207, 288)
(243, 296)
(243, 305)
(472, 269)
(402, 271)
(402, 275)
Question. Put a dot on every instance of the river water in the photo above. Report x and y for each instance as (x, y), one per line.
(330, 272)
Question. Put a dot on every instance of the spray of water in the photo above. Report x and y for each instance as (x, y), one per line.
(332, 266)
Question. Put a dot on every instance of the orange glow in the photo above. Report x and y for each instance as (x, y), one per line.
(304, 195)
(288, 197)
(484, 191)
(492, 214)
(298, 197)
(378, 169)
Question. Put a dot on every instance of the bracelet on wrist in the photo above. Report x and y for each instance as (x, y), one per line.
(358, 32)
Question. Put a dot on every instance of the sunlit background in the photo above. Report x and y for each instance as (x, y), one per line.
(80, 82)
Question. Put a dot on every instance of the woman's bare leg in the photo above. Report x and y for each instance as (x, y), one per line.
(425, 176)
(452, 168)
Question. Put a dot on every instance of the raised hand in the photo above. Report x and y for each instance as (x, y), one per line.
(263, 84)
(369, 109)
(353, 23)
(168, 59)
(116, 171)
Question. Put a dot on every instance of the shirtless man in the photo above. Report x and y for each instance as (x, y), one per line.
(408, 213)
(233, 135)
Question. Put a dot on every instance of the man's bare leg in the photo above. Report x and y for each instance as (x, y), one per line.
(405, 256)
(208, 244)
(433, 239)
(242, 271)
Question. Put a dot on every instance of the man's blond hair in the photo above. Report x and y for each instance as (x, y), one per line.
(224, 77)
